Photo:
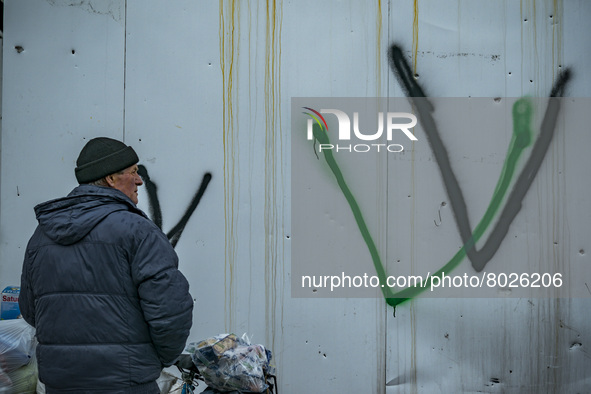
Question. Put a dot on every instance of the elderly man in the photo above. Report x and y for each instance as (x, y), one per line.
(101, 284)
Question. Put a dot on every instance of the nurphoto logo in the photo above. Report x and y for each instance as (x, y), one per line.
(394, 122)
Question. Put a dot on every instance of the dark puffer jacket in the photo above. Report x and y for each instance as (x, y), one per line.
(101, 285)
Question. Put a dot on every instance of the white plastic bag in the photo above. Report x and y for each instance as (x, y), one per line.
(18, 370)
(166, 381)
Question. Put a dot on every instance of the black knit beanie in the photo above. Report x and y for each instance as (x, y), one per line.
(101, 157)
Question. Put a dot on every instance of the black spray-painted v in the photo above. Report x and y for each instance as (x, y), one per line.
(155, 211)
(423, 106)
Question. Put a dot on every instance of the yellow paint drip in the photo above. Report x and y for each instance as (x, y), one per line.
(379, 49)
(556, 36)
(415, 35)
(413, 325)
(273, 220)
(229, 41)
(229, 33)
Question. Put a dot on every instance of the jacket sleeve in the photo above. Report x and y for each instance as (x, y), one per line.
(26, 299)
(164, 295)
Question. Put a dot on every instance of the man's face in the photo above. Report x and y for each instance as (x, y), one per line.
(127, 181)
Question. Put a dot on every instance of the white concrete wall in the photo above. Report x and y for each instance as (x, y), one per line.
(205, 87)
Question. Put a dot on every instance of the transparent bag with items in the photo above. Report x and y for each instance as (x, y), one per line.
(228, 363)
(18, 369)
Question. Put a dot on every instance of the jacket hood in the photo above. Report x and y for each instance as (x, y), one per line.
(69, 219)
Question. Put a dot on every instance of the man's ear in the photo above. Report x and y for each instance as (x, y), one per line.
(110, 179)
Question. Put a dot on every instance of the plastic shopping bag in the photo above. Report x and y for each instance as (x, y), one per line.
(228, 363)
(18, 370)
